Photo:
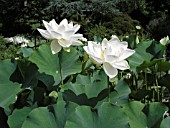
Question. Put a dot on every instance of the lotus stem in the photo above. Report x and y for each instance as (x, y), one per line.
(108, 90)
(164, 55)
(156, 83)
(157, 89)
(146, 80)
(60, 60)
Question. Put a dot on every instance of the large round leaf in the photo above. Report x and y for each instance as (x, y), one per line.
(6, 69)
(134, 111)
(18, 116)
(121, 94)
(52, 117)
(46, 62)
(106, 116)
(60, 113)
(9, 90)
(89, 85)
(165, 123)
(155, 115)
(140, 55)
(40, 118)
(70, 64)
(26, 51)
(49, 63)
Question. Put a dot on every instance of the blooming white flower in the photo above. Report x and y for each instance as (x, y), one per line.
(18, 40)
(111, 54)
(9, 39)
(165, 40)
(62, 34)
(83, 39)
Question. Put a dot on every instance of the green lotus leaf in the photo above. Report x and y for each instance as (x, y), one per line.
(70, 63)
(89, 85)
(49, 63)
(26, 51)
(9, 90)
(46, 61)
(106, 116)
(155, 115)
(40, 118)
(18, 116)
(165, 123)
(134, 111)
(52, 117)
(121, 94)
(140, 55)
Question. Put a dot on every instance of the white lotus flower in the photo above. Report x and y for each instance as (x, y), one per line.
(62, 35)
(165, 40)
(9, 39)
(18, 40)
(111, 54)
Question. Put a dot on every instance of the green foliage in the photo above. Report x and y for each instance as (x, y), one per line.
(113, 116)
(7, 50)
(87, 84)
(10, 89)
(94, 8)
(49, 63)
(118, 25)
(165, 123)
(140, 55)
(99, 30)
(159, 27)
(123, 24)
(21, 115)
(136, 116)
(18, 14)
(35, 95)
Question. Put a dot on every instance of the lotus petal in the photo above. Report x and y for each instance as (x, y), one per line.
(110, 70)
(55, 47)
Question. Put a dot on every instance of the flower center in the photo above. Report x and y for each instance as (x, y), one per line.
(102, 55)
(63, 40)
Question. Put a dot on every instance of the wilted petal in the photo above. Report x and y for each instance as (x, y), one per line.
(55, 47)
(45, 33)
(122, 65)
(109, 70)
